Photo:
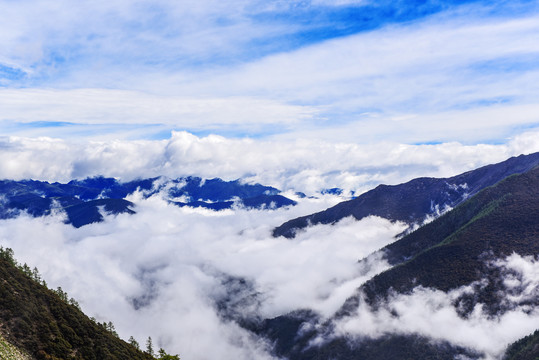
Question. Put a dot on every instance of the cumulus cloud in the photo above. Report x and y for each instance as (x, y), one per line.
(163, 271)
(301, 165)
(432, 313)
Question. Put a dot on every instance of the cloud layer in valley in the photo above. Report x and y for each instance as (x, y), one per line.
(183, 275)
(432, 313)
(162, 271)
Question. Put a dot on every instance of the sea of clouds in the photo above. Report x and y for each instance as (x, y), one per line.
(432, 313)
(163, 271)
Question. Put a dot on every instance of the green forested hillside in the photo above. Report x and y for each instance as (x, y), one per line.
(455, 249)
(37, 320)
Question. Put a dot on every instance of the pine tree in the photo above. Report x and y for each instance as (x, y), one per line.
(164, 356)
(149, 346)
(26, 270)
(110, 328)
(75, 303)
(134, 342)
(62, 294)
(35, 275)
(7, 254)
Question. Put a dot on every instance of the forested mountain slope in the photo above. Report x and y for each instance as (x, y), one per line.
(461, 249)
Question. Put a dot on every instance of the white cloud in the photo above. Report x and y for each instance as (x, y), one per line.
(451, 78)
(521, 277)
(50, 38)
(456, 76)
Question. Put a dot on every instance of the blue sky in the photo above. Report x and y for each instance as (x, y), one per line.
(346, 70)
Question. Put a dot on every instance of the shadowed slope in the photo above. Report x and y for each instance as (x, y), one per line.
(411, 202)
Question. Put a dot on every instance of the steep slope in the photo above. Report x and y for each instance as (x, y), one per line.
(411, 202)
(35, 319)
(526, 348)
(458, 249)
(455, 249)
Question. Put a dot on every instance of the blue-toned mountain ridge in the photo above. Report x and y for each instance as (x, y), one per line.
(84, 200)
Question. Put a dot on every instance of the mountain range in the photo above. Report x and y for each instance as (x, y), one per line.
(83, 201)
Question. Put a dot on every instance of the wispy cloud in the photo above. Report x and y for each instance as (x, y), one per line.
(430, 73)
(162, 33)
(94, 108)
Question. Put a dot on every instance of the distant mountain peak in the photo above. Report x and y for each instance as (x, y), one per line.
(82, 199)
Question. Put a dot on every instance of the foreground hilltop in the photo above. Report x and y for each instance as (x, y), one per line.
(43, 325)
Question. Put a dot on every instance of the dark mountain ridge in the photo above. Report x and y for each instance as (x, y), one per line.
(413, 201)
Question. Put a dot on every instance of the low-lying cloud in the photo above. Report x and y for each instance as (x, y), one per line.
(432, 313)
(166, 271)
